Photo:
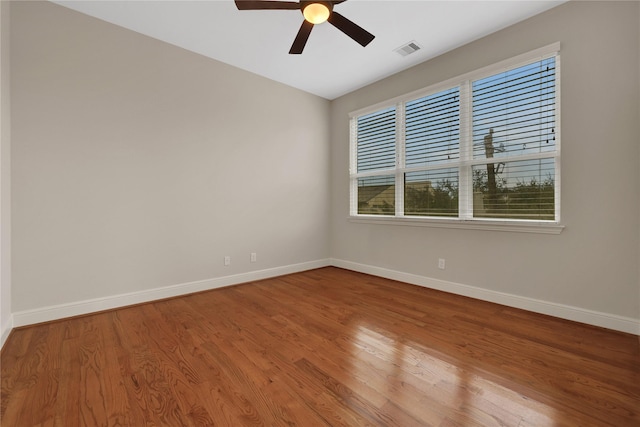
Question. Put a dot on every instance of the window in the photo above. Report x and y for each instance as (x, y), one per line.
(481, 147)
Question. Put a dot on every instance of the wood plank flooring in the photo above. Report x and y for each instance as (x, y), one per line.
(328, 347)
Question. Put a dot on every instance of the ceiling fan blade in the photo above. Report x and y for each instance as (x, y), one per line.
(266, 4)
(351, 29)
(301, 39)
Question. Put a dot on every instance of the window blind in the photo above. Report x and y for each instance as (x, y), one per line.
(516, 111)
(432, 129)
(514, 116)
(376, 135)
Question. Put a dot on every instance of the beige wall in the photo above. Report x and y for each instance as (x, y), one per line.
(593, 264)
(138, 165)
(5, 174)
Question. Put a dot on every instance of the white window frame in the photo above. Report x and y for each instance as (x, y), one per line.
(466, 161)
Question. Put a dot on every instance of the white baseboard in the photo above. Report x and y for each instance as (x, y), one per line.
(605, 320)
(6, 330)
(47, 314)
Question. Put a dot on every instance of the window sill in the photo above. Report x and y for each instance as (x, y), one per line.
(515, 226)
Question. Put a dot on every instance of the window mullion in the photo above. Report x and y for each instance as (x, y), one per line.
(465, 185)
(400, 157)
(353, 168)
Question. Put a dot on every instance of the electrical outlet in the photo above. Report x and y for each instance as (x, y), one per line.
(254, 257)
(227, 260)
(441, 263)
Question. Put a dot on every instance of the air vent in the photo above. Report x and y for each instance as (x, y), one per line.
(407, 49)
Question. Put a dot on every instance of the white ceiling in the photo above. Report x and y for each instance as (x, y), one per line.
(332, 64)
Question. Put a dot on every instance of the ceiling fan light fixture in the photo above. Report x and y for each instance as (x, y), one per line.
(316, 13)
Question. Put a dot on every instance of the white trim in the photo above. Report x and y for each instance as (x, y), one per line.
(47, 314)
(558, 132)
(401, 150)
(512, 225)
(577, 314)
(6, 330)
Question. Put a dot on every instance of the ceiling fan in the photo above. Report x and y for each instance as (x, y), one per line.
(314, 12)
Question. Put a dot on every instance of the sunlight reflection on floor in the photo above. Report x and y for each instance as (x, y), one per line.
(442, 390)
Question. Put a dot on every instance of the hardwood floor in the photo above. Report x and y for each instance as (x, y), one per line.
(326, 347)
